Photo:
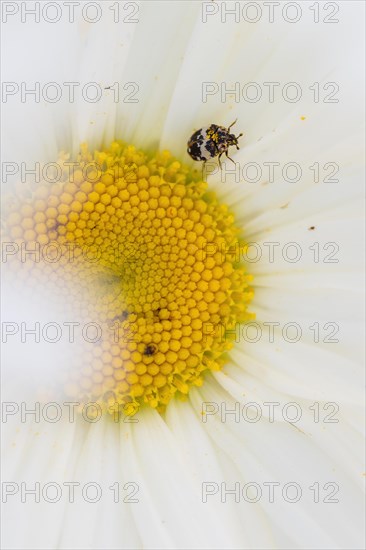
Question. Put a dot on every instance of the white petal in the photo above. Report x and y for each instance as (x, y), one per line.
(256, 450)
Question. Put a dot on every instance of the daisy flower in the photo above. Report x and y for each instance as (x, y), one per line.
(183, 363)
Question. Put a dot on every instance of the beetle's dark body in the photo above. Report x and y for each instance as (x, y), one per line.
(210, 142)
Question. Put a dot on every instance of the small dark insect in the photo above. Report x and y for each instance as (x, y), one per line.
(312, 228)
(212, 141)
(150, 349)
(121, 317)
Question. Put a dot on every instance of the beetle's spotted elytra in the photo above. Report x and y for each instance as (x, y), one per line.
(212, 141)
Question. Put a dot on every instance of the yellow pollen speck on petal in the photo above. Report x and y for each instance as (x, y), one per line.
(156, 263)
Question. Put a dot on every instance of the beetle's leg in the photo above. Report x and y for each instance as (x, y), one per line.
(219, 159)
(232, 124)
(203, 168)
(230, 157)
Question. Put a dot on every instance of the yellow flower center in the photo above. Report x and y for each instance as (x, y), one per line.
(155, 264)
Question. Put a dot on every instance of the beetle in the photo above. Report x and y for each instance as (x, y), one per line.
(212, 141)
(150, 349)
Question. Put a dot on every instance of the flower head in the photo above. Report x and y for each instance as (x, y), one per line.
(240, 372)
